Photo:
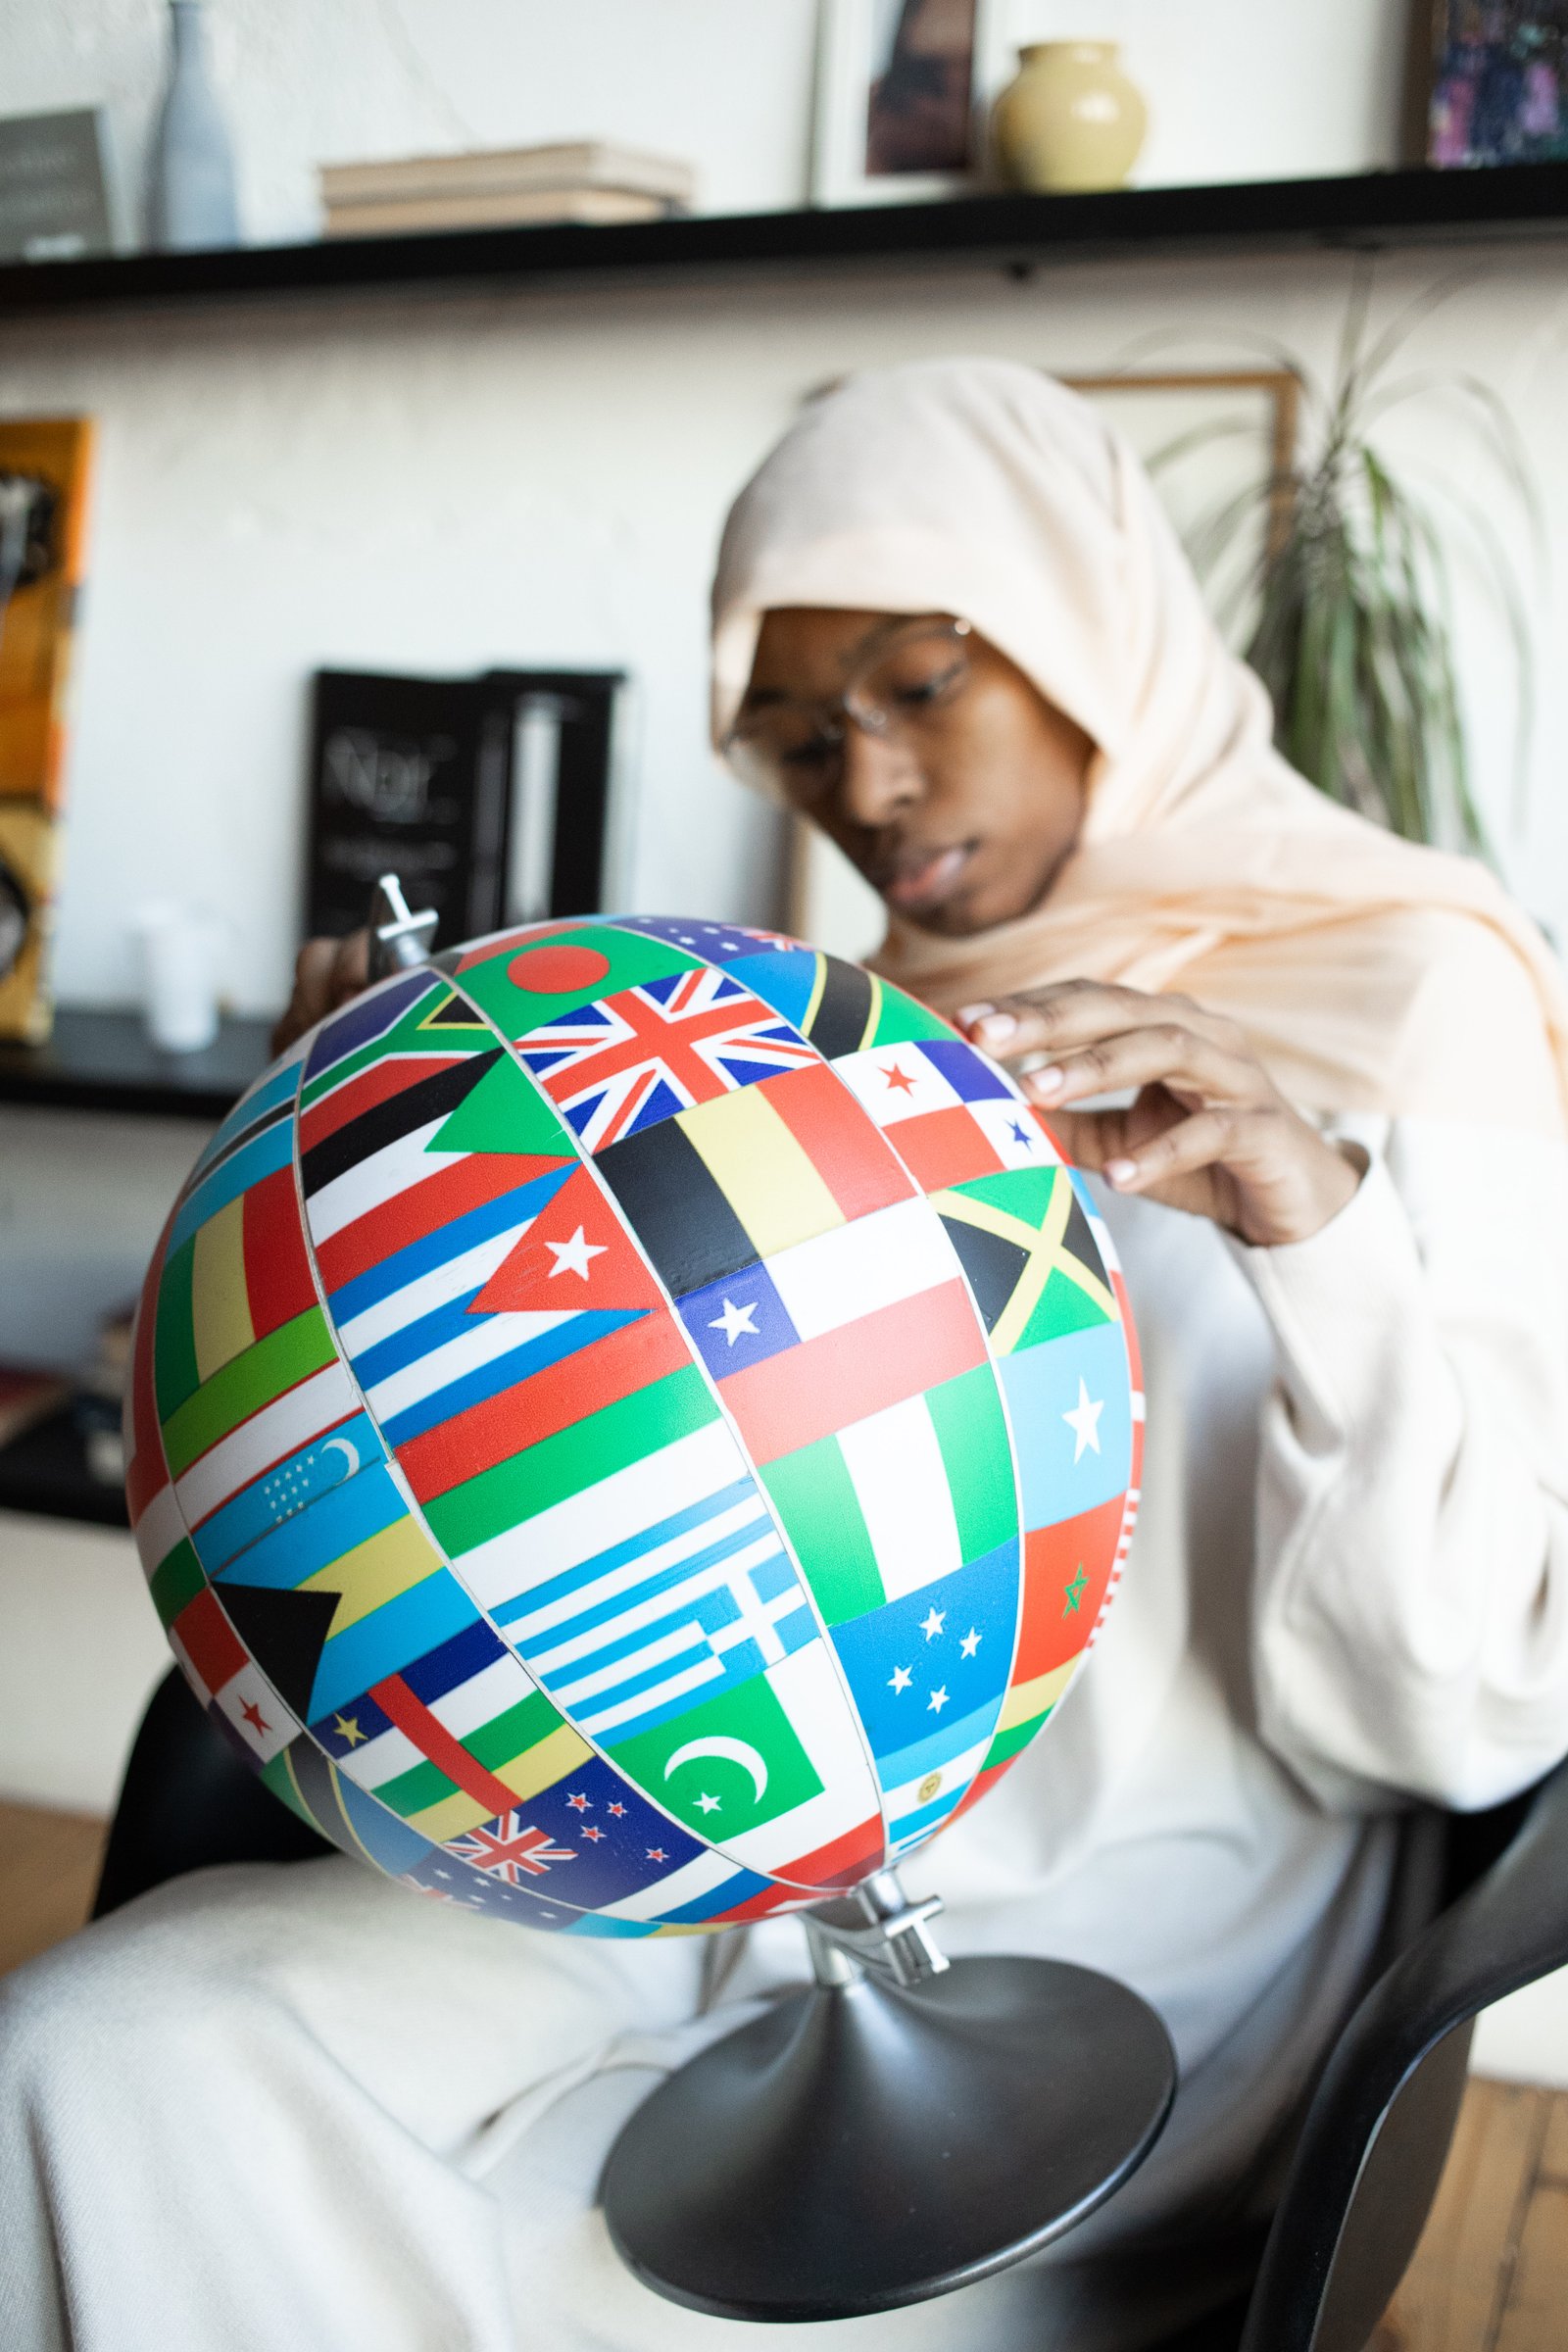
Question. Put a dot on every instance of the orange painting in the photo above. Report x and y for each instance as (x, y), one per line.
(43, 485)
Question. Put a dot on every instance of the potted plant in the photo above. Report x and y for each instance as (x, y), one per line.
(1336, 577)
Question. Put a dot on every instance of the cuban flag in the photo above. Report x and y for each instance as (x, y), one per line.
(634, 1058)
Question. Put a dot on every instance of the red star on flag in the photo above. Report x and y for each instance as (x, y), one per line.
(900, 1079)
(657, 1853)
(588, 1830)
(255, 1719)
(619, 1810)
(580, 1803)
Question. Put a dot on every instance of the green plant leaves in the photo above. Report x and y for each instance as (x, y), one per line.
(1347, 609)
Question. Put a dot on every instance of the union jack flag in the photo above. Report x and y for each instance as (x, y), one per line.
(510, 1848)
(634, 1058)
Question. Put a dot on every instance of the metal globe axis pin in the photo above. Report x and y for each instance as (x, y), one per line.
(903, 2125)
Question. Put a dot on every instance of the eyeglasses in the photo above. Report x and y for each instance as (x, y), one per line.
(902, 689)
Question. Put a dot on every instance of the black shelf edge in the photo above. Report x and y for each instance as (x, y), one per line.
(1374, 208)
(45, 1471)
(100, 1059)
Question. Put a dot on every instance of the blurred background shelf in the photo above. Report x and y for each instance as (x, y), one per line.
(45, 1471)
(1374, 209)
(104, 1060)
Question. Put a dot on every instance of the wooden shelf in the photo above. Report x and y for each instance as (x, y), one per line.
(1369, 209)
(104, 1060)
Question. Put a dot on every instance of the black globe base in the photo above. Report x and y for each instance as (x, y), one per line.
(901, 2126)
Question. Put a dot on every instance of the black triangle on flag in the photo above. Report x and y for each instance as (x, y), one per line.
(1079, 1242)
(285, 1634)
(456, 1012)
(992, 1264)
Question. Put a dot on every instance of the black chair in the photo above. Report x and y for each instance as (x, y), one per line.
(1481, 1909)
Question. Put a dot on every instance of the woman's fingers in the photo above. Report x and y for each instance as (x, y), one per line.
(1075, 1014)
(327, 972)
(1163, 1052)
(351, 966)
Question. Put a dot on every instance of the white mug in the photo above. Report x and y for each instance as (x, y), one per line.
(181, 947)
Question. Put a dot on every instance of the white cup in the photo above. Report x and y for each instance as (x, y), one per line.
(180, 948)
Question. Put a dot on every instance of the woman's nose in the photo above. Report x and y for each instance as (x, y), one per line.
(879, 778)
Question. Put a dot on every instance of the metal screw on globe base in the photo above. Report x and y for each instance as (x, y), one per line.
(399, 939)
(903, 2125)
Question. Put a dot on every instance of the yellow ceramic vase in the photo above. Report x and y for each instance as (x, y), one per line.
(1071, 120)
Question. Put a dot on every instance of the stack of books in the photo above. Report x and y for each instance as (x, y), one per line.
(583, 179)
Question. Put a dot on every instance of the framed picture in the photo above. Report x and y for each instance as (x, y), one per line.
(1496, 83)
(44, 467)
(1222, 431)
(902, 91)
(493, 799)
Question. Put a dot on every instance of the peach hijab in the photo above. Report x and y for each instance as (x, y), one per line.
(1369, 974)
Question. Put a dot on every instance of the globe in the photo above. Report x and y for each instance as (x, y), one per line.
(633, 1426)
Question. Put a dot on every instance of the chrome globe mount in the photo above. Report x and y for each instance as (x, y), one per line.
(901, 2126)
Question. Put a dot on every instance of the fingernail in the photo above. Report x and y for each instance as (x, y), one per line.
(1120, 1171)
(968, 1014)
(996, 1028)
(1048, 1082)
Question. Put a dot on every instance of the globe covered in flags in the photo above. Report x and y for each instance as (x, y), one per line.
(633, 1426)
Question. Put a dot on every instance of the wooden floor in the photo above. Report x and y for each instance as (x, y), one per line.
(1490, 2275)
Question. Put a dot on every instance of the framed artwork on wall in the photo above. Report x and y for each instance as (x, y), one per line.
(902, 91)
(43, 524)
(491, 798)
(1231, 428)
(1497, 83)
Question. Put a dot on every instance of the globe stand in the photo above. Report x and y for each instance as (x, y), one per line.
(903, 2125)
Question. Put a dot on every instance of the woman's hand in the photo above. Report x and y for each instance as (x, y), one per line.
(1207, 1130)
(326, 973)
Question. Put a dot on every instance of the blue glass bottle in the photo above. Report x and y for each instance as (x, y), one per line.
(191, 194)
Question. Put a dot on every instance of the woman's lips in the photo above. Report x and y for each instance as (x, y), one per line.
(925, 881)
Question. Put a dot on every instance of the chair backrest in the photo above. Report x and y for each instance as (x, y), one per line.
(187, 1803)
(1379, 2127)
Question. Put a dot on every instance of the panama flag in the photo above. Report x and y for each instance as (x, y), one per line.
(626, 1061)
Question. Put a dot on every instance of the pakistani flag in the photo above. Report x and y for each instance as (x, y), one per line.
(773, 1773)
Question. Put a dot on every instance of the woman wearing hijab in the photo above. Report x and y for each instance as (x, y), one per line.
(953, 627)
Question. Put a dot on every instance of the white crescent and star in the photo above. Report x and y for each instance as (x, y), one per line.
(726, 1752)
(348, 1449)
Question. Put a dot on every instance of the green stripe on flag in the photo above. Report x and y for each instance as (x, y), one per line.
(174, 1373)
(973, 1433)
(512, 1734)
(1006, 1744)
(408, 1035)
(176, 1580)
(570, 1460)
(246, 1382)
(411, 1792)
(814, 1495)
(901, 1021)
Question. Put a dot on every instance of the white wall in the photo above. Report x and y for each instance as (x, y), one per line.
(81, 1652)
